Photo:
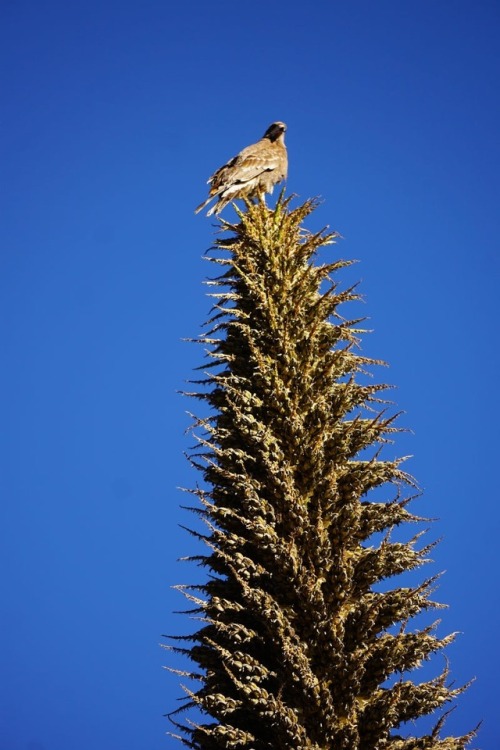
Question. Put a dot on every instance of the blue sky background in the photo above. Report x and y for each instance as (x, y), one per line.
(113, 115)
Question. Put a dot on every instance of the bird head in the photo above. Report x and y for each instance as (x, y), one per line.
(274, 131)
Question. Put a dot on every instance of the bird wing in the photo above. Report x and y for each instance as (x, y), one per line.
(247, 165)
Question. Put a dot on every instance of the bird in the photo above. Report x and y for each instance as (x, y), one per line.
(251, 173)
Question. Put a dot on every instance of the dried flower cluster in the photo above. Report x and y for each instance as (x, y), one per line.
(298, 646)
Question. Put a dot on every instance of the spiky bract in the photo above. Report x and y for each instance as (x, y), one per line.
(299, 648)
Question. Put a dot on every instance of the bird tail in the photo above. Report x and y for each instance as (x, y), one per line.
(216, 208)
(202, 205)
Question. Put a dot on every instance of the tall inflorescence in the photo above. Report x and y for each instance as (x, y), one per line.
(298, 645)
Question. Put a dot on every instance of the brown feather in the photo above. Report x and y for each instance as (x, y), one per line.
(252, 173)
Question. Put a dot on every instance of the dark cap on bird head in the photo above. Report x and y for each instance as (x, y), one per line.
(275, 130)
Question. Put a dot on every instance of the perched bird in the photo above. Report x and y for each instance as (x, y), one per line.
(252, 173)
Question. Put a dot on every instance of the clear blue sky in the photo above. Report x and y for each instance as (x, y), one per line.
(113, 115)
